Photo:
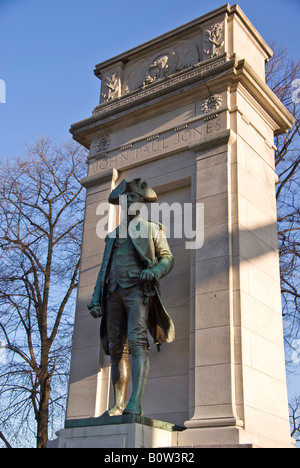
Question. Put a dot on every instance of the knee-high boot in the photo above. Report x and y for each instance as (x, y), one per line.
(139, 370)
(120, 377)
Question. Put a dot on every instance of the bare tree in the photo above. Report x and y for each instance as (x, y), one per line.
(41, 216)
(281, 73)
(7, 444)
(295, 418)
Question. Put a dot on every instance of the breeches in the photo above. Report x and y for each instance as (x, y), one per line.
(126, 322)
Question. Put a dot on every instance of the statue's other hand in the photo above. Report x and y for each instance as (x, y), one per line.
(147, 275)
(96, 312)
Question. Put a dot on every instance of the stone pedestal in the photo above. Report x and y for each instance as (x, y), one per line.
(191, 113)
(126, 431)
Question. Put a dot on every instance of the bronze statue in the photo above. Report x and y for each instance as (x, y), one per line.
(127, 297)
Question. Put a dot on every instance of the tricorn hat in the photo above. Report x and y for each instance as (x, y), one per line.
(138, 186)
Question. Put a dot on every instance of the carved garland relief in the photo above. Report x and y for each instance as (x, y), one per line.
(110, 87)
(214, 38)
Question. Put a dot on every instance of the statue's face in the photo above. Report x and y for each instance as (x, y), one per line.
(133, 198)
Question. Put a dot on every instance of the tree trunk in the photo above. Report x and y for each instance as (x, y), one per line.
(43, 415)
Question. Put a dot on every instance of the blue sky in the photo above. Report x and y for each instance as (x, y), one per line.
(48, 50)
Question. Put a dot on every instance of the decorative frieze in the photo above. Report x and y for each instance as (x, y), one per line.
(124, 78)
(173, 81)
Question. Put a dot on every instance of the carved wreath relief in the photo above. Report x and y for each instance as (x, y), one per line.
(212, 103)
(100, 146)
(102, 143)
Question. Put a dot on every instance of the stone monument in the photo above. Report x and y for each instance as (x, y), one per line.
(191, 113)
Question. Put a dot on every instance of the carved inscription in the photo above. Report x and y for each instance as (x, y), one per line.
(152, 148)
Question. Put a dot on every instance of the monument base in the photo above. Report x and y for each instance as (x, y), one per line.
(126, 431)
(129, 431)
(227, 437)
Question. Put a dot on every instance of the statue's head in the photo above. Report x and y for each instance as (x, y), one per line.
(137, 191)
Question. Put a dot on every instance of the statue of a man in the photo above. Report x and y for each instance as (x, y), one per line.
(127, 296)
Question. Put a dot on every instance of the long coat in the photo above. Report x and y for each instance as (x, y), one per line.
(154, 251)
